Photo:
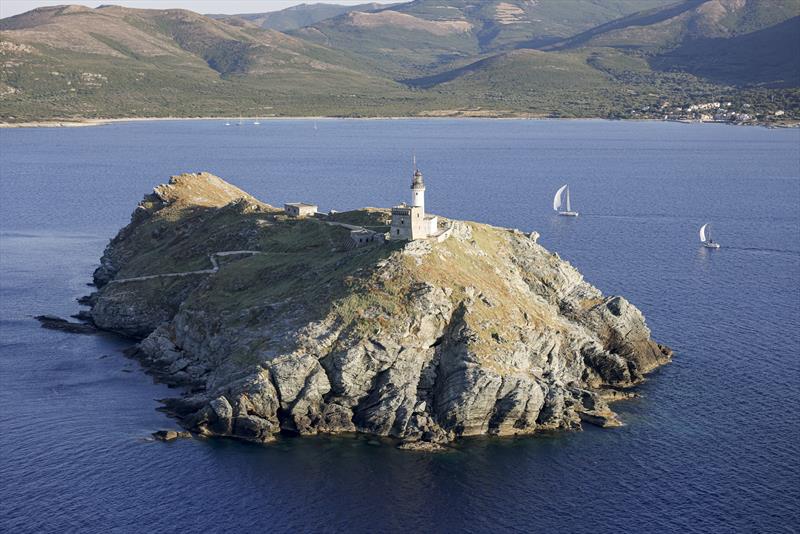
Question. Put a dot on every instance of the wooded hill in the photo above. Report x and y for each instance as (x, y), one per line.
(561, 58)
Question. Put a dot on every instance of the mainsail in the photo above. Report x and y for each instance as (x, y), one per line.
(705, 234)
(557, 198)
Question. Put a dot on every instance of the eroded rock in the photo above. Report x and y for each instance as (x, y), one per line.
(54, 322)
(171, 435)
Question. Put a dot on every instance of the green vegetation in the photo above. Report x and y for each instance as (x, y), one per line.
(370, 217)
(761, 57)
(304, 260)
(570, 58)
(301, 261)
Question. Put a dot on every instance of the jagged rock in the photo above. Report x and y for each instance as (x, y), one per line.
(87, 300)
(603, 419)
(54, 322)
(170, 435)
(83, 315)
(421, 446)
(486, 332)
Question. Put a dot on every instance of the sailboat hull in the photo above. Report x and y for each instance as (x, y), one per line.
(568, 213)
(711, 245)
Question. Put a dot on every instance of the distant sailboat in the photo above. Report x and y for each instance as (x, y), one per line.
(227, 124)
(705, 237)
(561, 200)
(315, 125)
(256, 123)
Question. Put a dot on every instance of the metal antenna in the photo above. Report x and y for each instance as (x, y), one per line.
(414, 160)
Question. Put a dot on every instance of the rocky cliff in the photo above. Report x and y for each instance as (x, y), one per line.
(274, 324)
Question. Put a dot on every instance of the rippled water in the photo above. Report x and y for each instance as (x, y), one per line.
(712, 445)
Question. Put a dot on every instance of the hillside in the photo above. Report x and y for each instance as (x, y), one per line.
(299, 16)
(686, 53)
(731, 42)
(769, 57)
(485, 332)
(540, 83)
(668, 27)
(112, 61)
(417, 38)
(582, 58)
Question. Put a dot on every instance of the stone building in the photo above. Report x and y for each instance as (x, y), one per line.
(411, 222)
(363, 237)
(300, 209)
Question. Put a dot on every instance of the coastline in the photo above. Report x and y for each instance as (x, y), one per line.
(80, 123)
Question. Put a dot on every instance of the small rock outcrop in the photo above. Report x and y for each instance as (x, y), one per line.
(484, 333)
(53, 322)
(171, 435)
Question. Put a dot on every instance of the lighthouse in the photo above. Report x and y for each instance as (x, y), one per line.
(418, 190)
(410, 222)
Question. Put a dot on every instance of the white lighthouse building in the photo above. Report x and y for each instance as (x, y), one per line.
(411, 222)
(418, 190)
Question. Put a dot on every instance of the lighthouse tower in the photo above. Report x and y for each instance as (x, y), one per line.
(418, 191)
(409, 222)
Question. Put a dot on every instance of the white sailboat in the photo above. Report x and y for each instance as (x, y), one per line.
(705, 237)
(256, 123)
(561, 200)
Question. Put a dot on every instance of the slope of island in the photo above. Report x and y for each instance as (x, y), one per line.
(279, 324)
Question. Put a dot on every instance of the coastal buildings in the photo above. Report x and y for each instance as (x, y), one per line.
(715, 111)
(409, 222)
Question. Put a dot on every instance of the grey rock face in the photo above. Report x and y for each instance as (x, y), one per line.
(485, 333)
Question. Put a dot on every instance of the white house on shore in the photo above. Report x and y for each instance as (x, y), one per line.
(411, 222)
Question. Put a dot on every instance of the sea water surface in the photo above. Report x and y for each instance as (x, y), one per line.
(712, 445)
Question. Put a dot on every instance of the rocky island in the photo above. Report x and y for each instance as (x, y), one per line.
(273, 323)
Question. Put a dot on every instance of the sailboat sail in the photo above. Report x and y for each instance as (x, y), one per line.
(557, 198)
(705, 234)
(569, 208)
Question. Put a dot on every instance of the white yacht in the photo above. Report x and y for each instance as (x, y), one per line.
(705, 237)
(561, 200)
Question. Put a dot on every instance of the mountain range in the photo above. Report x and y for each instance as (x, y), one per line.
(573, 58)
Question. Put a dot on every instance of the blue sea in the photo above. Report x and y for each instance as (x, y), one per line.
(712, 445)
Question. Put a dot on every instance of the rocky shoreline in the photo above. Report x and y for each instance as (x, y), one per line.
(486, 333)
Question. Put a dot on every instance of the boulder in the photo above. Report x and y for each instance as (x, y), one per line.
(170, 435)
